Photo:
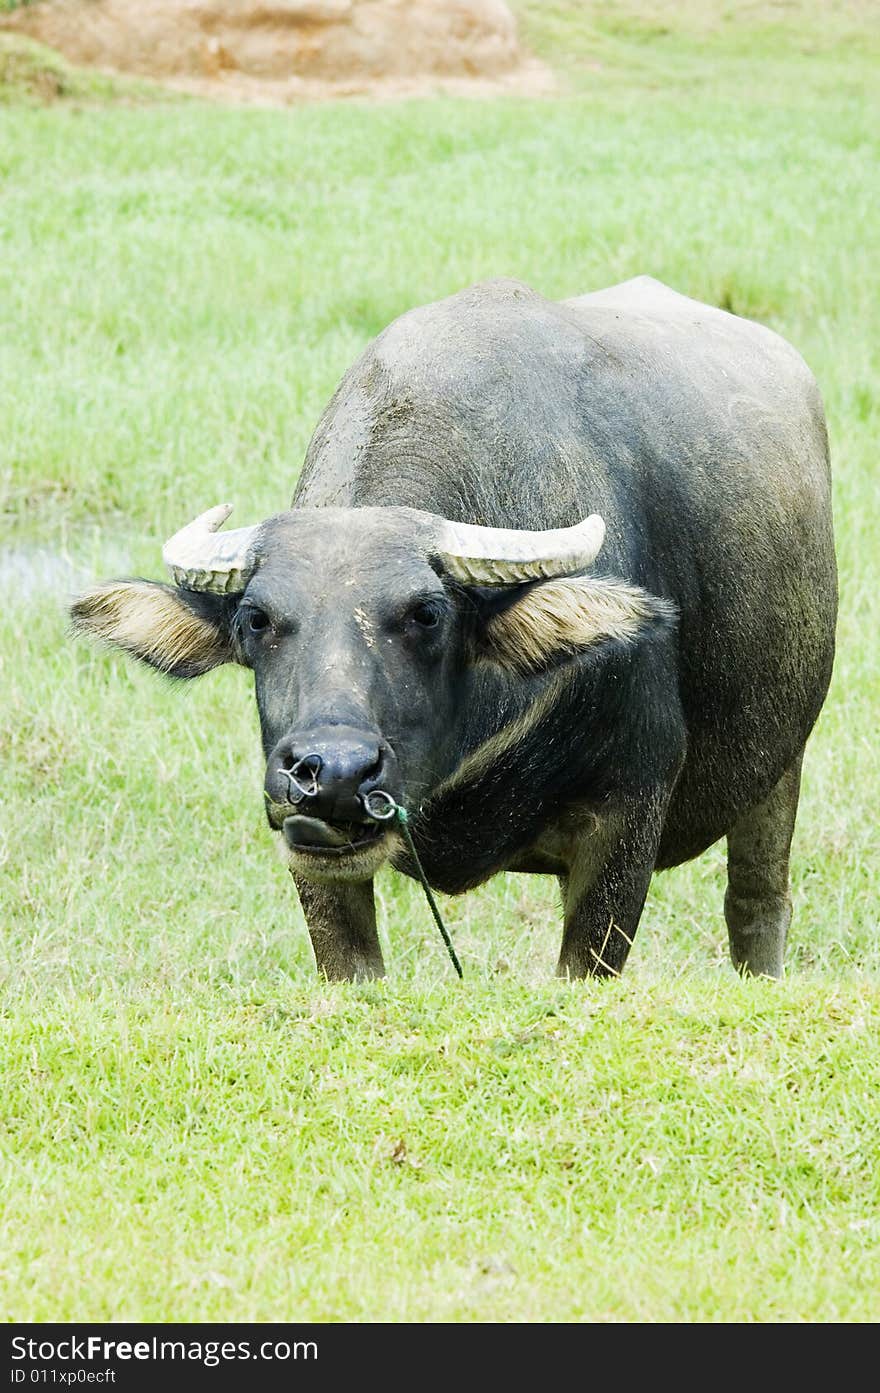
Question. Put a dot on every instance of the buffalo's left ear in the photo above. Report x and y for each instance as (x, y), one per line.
(534, 627)
(181, 632)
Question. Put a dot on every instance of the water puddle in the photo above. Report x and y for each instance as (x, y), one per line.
(30, 570)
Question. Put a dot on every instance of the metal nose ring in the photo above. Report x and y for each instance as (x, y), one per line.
(379, 805)
(303, 778)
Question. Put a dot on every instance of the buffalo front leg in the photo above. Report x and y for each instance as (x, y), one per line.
(604, 892)
(757, 905)
(341, 919)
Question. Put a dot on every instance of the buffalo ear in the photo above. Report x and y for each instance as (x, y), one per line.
(181, 632)
(544, 624)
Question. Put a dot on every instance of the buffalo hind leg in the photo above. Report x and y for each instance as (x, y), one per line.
(757, 905)
(342, 926)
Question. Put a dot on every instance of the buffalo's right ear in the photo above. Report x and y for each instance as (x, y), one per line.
(181, 632)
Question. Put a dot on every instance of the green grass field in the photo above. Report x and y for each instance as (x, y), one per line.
(193, 1127)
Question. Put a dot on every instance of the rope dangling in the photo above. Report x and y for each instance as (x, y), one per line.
(382, 807)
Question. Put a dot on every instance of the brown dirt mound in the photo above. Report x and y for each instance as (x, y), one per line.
(288, 50)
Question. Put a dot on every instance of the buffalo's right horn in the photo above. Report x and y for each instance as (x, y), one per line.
(508, 555)
(201, 558)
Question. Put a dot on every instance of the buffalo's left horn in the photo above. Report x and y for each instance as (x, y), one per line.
(506, 556)
(201, 558)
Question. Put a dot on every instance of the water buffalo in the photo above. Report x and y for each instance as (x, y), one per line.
(559, 577)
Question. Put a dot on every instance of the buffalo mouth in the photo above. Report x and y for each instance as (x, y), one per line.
(314, 837)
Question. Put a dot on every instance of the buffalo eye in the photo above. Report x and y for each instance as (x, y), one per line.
(256, 621)
(426, 614)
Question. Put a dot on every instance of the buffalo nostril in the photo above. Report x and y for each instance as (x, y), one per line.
(373, 771)
(309, 767)
(302, 777)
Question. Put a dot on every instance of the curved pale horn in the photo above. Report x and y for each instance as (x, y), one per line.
(506, 556)
(200, 558)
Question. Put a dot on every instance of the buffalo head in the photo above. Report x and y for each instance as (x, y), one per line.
(361, 626)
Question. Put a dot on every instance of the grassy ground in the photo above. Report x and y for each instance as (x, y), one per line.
(33, 75)
(192, 1127)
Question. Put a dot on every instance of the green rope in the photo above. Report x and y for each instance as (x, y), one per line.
(403, 819)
